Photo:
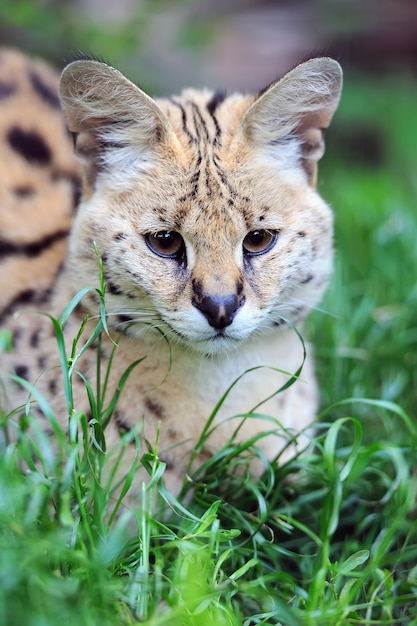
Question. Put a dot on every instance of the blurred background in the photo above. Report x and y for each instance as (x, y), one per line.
(235, 43)
(365, 335)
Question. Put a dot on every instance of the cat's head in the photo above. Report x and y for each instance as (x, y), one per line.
(203, 206)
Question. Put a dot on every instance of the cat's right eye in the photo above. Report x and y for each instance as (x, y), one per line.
(166, 243)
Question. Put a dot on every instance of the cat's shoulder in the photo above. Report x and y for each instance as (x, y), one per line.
(39, 179)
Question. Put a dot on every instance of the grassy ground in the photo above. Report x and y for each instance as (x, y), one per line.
(335, 545)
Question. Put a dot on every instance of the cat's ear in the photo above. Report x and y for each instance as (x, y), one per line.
(109, 116)
(298, 107)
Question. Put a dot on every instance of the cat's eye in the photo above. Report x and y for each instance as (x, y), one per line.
(166, 243)
(259, 241)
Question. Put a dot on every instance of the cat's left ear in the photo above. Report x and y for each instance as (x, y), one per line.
(298, 107)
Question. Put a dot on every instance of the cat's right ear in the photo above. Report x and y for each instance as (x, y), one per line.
(113, 121)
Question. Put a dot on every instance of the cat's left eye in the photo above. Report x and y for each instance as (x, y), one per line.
(259, 241)
(166, 243)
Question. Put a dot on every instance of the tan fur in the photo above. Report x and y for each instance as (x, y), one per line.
(213, 169)
(36, 196)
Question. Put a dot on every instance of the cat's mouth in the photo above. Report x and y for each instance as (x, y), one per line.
(219, 341)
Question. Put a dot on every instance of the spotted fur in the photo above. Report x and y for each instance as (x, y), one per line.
(204, 210)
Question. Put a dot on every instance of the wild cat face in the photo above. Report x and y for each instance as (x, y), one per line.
(203, 206)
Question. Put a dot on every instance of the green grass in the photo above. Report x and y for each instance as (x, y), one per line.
(372, 337)
(329, 538)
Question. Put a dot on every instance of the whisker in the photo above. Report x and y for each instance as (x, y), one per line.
(144, 323)
(313, 308)
(132, 314)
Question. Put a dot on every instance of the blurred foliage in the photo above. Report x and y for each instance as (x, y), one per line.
(335, 544)
(55, 29)
(365, 346)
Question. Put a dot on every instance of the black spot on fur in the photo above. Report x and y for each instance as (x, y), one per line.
(34, 339)
(169, 464)
(24, 191)
(29, 145)
(25, 297)
(34, 248)
(155, 408)
(52, 386)
(217, 98)
(124, 319)
(307, 279)
(112, 287)
(17, 333)
(121, 423)
(6, 90)
(301, 233)
(22, 371)
(47, 94)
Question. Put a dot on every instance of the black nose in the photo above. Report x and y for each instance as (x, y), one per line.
(219, 310)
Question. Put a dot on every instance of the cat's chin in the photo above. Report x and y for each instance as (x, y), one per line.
(215, 347)
(218, 345)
